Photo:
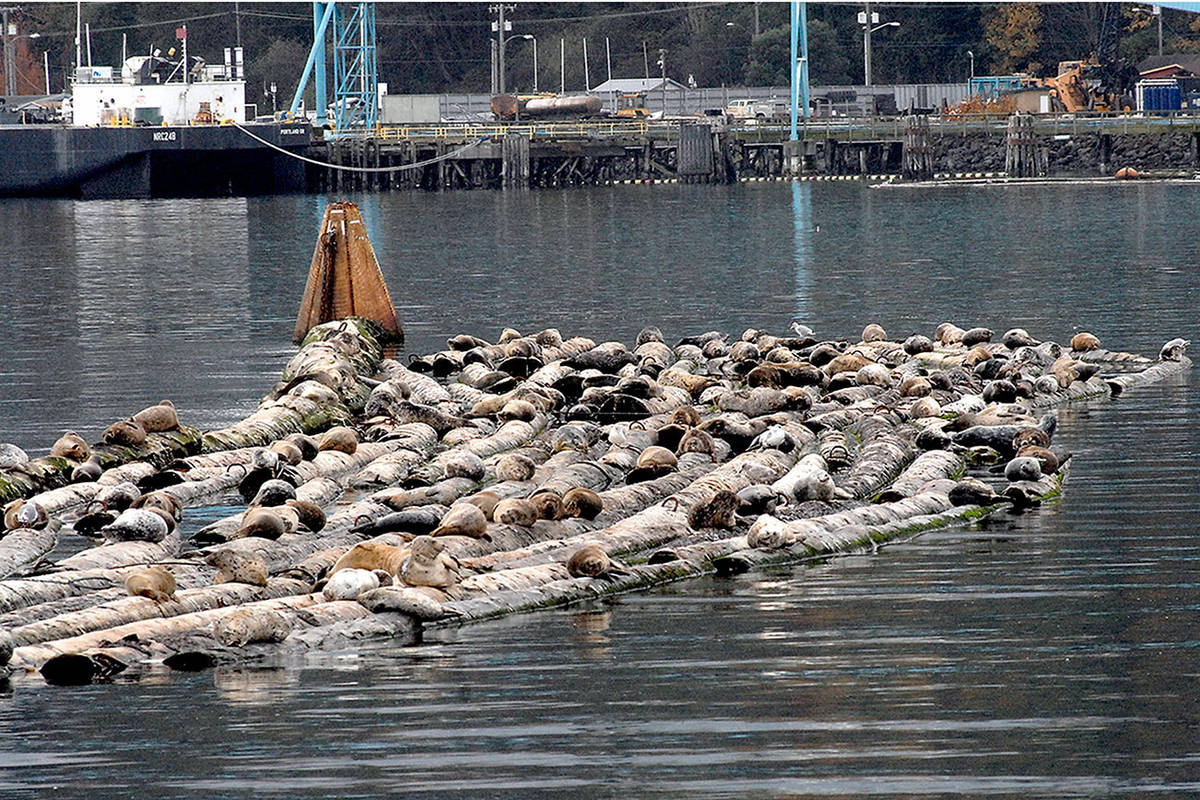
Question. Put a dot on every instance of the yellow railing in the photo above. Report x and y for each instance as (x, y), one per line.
(531, 129)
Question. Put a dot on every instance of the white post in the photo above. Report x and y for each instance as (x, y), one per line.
(562, 66)
(78, 26)
(587, 80)
(608, 57)
(535, 64)
(88, 31)
(46, 68)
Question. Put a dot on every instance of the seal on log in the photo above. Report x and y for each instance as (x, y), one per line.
(124, 433)
(235, 567)
(158, 418)
(155, 582)
(72, 446)
(590, 561)
(340, 438)
(582, 502)
(428, 564)
(371, 556)
(463, 519)
(515, 511)
(137, 525)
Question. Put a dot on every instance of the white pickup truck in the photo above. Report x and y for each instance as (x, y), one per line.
(758, 109)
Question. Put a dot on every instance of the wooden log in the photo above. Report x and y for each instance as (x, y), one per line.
(275, 419)
(126, 610)
(23, 549)
(885, 451)
(50, 472)
(928, 466)
(121, 554)
(160, 629)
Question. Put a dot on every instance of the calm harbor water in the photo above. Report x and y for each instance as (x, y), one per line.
(1048, 655)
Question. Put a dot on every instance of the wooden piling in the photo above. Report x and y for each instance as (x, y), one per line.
(917, 154)
(1023, 158)
(344, 279)
(515, 154)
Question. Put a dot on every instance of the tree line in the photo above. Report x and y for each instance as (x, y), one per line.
(446, 47)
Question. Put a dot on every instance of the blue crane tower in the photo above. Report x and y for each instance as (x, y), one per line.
(355, 66)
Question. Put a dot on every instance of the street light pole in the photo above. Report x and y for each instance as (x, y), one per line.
(868, 19)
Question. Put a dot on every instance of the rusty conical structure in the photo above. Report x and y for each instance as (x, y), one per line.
(344, 279)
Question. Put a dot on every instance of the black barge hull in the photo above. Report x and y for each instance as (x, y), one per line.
(147, 162)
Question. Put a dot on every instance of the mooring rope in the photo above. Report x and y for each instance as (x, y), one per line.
(344, 168)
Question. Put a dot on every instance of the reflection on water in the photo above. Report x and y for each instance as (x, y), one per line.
(1044, 655)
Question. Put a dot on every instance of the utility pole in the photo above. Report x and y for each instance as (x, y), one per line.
(10, 57)
(500, 27)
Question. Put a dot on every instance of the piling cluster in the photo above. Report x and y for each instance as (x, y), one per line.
(496, 477)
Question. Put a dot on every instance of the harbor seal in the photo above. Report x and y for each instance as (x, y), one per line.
(916, 344)
(757, 498)
(714, 512)
(1173, 350)
(428, 565)
(696, 441)
(339, 438)
(1045, 456)
(1084, 342)
(464, 464)
(309, 514)
(154, 582)
(274, 492)
(548, 504)
(12, 456)
(590, 561)
(307, 444)
(262, 522)
(485, 501)
(974, 492)
(653, 462)
(582, 502)
(288, 451)
(137, 525)
(874, 333)
(522, 410)
(769, 533)
(515, 511)
(25, 514)
(1018, 337)
(372, 555)
(158, 418)
(515, 467)
(72, 446)
(162, 501)
(87, 472)
(236, 567)
(463, 519)
(1023, 468)
(977, 336)
(251, 625)
(124, 433)
(348, 584)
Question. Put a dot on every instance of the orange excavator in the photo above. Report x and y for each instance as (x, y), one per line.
(1079, 87)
